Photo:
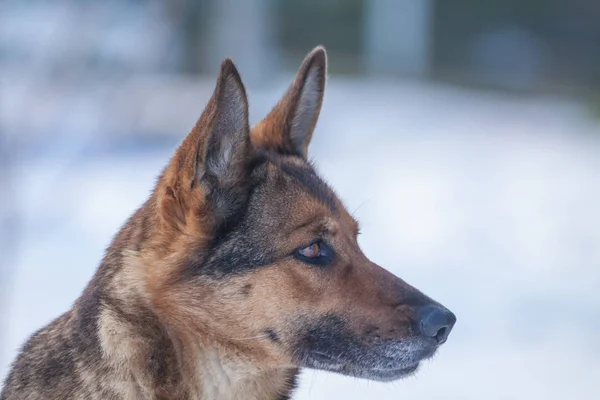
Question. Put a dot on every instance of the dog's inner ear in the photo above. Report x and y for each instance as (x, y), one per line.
(289, 126)
(223, 162)
(223, 159)
(211, 167)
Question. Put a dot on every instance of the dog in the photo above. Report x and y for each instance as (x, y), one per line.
(240, 269)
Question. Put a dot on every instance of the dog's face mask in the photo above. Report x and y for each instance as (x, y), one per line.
(259, 255)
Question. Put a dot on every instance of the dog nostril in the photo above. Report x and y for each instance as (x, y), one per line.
(439, 333)
(436, 322)
(442, 335)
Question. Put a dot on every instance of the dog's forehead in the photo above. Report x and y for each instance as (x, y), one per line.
(292, 177)
(297, 183)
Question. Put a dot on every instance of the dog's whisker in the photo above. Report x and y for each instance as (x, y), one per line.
(263, 336)
(353, 213)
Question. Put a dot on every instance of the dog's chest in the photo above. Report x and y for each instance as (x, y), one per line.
(224, 380)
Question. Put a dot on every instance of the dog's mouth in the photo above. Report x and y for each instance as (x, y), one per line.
(330, 346)
(385, 375)
(381, 368)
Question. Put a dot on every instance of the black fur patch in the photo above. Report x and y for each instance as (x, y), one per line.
(272, 335)
(291, 384)
(327, 335)
(240, 250)
(59, 365)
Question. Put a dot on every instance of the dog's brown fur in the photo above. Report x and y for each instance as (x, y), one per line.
(202, 294)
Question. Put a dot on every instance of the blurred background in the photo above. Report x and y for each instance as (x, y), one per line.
(472, 127)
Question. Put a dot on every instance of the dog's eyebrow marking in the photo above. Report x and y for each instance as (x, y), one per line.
(311, 182)
(307, 223)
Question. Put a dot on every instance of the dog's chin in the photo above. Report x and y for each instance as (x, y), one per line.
(386, 375)
(375, 373)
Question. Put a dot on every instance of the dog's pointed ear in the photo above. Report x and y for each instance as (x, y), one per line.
(211, 167)
(223, 158)
(289, 126)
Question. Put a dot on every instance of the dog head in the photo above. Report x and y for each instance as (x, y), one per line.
(254, 253)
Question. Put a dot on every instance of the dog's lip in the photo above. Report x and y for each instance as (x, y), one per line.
(409, 368)
(421, 355)
(321, 357)
(383, 373)
(393, 373)
(417, 355)
(420, 351)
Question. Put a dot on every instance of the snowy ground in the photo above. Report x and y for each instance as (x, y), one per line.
(488, 203)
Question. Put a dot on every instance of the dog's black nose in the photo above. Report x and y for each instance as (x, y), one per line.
(436, 322)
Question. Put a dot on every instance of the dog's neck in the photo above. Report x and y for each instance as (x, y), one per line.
(161, 365)
(226, 378)
(138, 343)
(192, 372)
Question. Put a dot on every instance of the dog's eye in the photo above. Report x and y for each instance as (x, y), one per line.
(317, 253)
(312, 251)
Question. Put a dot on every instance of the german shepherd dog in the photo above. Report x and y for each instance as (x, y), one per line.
(240, 269)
